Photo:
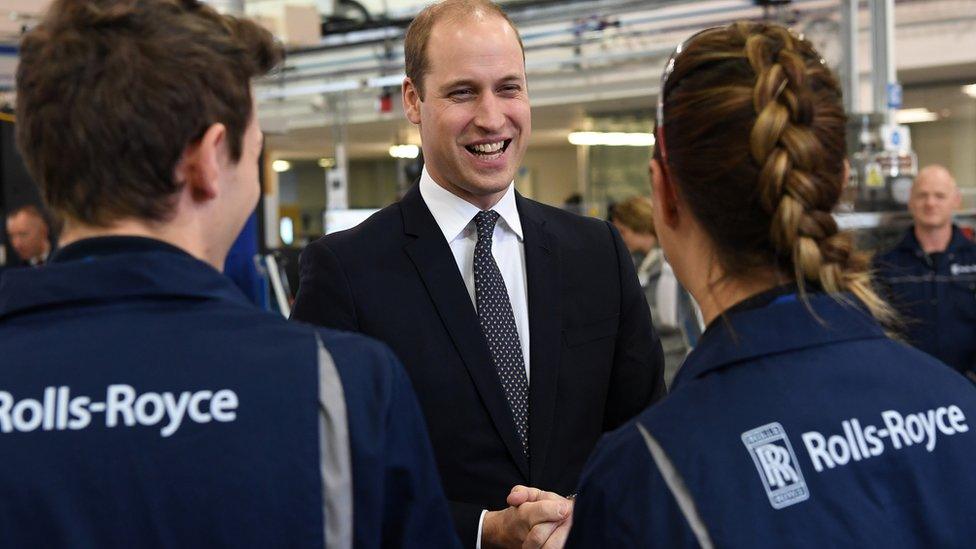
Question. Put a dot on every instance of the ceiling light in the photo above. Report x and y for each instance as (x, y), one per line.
(913, 116)
(404, 151)
(612, 139)
(970, 90)
(281, 166)
(327, 163)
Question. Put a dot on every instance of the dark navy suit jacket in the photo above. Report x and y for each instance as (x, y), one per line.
(595, 359)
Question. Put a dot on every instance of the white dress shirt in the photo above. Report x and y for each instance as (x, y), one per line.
(455, 218)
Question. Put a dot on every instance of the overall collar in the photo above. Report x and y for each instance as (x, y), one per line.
(910, 241)
(774, 322)
(112, 269)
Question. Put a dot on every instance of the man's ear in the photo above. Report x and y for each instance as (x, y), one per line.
(411, 101)
(665, 194)
(199, 167)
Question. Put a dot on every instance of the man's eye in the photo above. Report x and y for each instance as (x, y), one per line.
(460, 94)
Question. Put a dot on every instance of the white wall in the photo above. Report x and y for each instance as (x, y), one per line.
(553, 172)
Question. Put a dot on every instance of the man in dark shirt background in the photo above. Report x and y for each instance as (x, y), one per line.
(29, 235)
(931, 274)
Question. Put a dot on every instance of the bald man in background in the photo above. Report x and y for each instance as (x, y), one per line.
(931, 274)
(29, 235)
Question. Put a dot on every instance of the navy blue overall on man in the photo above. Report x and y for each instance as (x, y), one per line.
(789, 429)
(931, 275)
(144, 402)
(935, 293)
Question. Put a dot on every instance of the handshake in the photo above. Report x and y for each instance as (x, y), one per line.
(535, 519)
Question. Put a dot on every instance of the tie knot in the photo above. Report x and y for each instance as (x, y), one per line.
(485, 221)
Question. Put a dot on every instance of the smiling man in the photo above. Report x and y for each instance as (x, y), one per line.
(522, 326)
(931, 274)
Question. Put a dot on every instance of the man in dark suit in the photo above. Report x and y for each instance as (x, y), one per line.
(479, 290)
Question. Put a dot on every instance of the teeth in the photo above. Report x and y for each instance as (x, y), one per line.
(489, 148)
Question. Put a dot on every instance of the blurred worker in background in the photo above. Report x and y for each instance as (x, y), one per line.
(672, 311)
(522, 326)
(795, 421)
(29, 234)
(930, 275)
(144, 402)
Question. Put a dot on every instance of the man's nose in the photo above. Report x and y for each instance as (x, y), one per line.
(490, 115)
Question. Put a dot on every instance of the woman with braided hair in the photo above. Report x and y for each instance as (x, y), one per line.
(796, 421)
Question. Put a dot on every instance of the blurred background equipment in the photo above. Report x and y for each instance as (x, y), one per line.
(337, 140)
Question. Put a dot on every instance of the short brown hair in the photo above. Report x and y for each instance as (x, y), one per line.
(29, 209)
(637, 214)
(754, 133)
(418, 33)
(110, 93)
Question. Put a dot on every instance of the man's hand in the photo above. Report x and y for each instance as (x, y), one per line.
(546, 535)
(533, 516)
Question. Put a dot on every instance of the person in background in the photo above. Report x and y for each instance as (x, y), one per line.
(930, 276)
(521, 325)
(29, 234)
(672, 311)
(144, 402)
(796, 421)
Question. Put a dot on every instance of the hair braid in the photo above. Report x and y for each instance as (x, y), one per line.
(793, 188)
(765, 202)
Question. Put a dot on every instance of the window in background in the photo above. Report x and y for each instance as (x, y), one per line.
(950, 139)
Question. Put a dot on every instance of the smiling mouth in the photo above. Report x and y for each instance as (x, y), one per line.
(489, 151)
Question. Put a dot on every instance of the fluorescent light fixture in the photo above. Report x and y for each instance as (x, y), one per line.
(404, 151)
(970, 90)
(384, 81)
(278, 92)
(913, 116)
(612, 139)
(281, 166)
(287, 230)
(327, 163)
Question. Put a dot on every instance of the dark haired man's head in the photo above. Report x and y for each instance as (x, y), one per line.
(120, 101)
(132, 111)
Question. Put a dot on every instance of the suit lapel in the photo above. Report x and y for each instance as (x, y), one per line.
(432, 257)
(542, 274)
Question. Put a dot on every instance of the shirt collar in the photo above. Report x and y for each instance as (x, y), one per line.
(453, 213)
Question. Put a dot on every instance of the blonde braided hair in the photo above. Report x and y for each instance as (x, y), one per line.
(762, 81)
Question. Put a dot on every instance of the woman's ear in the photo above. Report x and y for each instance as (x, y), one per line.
(665, 194)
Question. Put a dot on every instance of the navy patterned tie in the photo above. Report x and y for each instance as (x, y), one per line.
(498, 325)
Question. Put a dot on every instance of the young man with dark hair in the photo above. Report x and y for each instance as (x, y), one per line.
(143, 401)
